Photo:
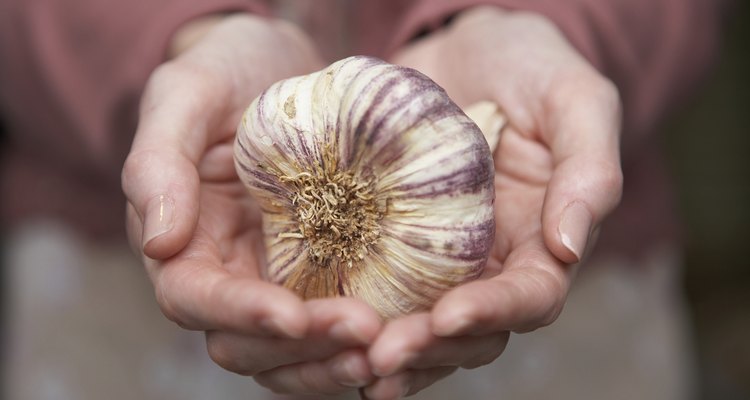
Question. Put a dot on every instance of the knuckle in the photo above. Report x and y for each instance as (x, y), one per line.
(131, 170)
(134, 169)
(596, 87)
(141, 184)
(584, 88)
(606, 90)
(609, 180)
(605, 94)
(612, 176)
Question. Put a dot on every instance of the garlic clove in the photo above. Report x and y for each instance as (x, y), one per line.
(372, 182)
(490, 120)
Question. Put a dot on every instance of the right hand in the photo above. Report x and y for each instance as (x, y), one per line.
(200, 233)
(557, 177)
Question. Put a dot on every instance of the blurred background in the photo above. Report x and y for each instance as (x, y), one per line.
(708, 143)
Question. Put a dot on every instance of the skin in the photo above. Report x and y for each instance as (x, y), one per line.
(562, 148)
(557, 177)
(192, 220)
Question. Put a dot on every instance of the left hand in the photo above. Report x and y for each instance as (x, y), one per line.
(200, 234)
(557, 177)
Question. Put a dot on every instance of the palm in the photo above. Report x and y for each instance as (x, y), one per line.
(522, 170)
(213, 284)
(229, 229)
(560, 148)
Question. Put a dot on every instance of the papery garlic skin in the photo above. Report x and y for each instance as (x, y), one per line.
(389, 140)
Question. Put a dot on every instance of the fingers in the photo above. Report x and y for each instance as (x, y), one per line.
(206, 298)
(586, 185)
(409, 343)
(334, 325)
(162, 189)
(346, 320)
(192, 103)
(404, 383)
(196, 292)
(338, 374)
(528, 294)
(408, 356)
(159, 177)
(327, 360)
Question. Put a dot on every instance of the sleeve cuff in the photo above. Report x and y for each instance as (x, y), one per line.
(152, 49)
(429, 15)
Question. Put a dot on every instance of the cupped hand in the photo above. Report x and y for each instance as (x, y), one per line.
(557, 177)
(199, 232)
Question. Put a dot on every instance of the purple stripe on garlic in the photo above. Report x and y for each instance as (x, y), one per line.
(373, 184)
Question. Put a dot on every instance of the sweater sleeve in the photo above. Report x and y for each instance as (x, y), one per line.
(654, 50)
(71, 75)
(81, 58)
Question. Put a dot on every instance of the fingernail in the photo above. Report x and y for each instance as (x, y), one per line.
(346, 331)
(159, 218)
(575, 228)
(350, 372)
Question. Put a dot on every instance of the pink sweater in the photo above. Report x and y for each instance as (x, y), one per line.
(71, 74)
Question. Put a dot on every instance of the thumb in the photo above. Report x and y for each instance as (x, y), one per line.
(163, 189)
(160, 178)
(586, 183)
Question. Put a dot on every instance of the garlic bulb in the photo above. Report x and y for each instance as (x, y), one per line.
(372, 182)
